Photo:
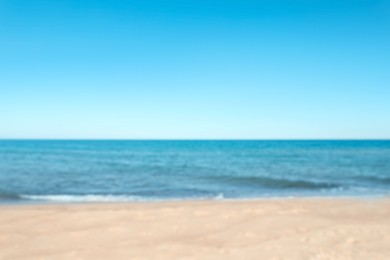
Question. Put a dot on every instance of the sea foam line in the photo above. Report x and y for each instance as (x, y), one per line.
(82, 198)
(107, 198)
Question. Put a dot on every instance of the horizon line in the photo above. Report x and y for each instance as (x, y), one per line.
(194, 139)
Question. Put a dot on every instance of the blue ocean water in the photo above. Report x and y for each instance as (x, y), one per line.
(163, 170)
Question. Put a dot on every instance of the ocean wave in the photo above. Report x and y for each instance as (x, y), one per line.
(9, 196)
(273, 183)
(376, 179)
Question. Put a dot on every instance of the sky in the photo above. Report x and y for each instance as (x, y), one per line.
(195, 69)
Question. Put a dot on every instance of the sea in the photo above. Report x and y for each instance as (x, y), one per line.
(70, 171)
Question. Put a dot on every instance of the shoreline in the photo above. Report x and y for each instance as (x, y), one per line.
(293, 228)
(26, 202)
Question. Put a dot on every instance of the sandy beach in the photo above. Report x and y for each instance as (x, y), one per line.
(259, 229)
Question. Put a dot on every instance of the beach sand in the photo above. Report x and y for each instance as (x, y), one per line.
(258, 229)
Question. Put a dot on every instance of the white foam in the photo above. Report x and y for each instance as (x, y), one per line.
(82, 198)
(220, 196)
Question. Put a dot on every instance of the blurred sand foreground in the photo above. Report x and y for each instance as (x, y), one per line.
(260, 229)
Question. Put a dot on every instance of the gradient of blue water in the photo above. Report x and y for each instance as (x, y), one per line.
(150, 170)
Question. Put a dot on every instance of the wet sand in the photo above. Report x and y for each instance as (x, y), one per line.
(258, 229)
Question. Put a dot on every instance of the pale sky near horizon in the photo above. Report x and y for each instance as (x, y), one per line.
(186, 69)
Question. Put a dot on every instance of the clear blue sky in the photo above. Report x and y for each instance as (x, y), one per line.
(195, 69)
